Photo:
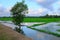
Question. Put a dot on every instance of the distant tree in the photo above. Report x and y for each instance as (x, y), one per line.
(46, 15)
(18, 13)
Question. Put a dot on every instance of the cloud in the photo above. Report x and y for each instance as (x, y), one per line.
(54, 13)
(40, 1)
(46, 3)
(0, 5)
(38, 12)
(8, 9)
(59, 2)
(4, 11)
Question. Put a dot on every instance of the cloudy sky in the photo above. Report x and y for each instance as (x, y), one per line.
(36, 7)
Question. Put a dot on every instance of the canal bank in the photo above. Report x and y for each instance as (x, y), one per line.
(6, 33)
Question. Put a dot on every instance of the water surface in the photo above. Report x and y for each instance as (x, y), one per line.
(36, 35)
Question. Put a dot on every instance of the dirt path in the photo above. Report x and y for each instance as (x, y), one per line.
(6, 33)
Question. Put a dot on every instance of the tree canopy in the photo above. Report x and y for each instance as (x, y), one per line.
(18, 12)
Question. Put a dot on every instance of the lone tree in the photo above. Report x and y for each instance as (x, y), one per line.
(18, 13)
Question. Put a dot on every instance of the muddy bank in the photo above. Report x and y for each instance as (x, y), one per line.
(6, 33)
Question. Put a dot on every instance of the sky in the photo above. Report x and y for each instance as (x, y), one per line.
(36, 7)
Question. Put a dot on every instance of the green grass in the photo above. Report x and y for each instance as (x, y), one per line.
(41, 19)
(34, 19)
(37, 25)
(48, 32)
(58, 25)
(6, 19)
(58, 30)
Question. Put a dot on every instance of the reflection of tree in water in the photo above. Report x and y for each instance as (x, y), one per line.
(19, 30)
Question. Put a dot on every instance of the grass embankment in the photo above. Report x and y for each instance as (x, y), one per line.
(7, 33)
(33, 19)
(37, 25)
(58, 30)
(58, 25)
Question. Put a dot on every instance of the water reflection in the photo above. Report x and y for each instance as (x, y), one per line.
(52, 27)
(36, 35)
(19, 30)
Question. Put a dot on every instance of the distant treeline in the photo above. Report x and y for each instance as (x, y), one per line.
(5, 17)
(50, 16)
(46, 16)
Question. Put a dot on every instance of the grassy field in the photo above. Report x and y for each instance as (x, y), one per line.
(41, 19)
(5, 18)
(35, 19)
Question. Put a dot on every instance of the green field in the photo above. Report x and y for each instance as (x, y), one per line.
(5, 19)
(34, 19)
